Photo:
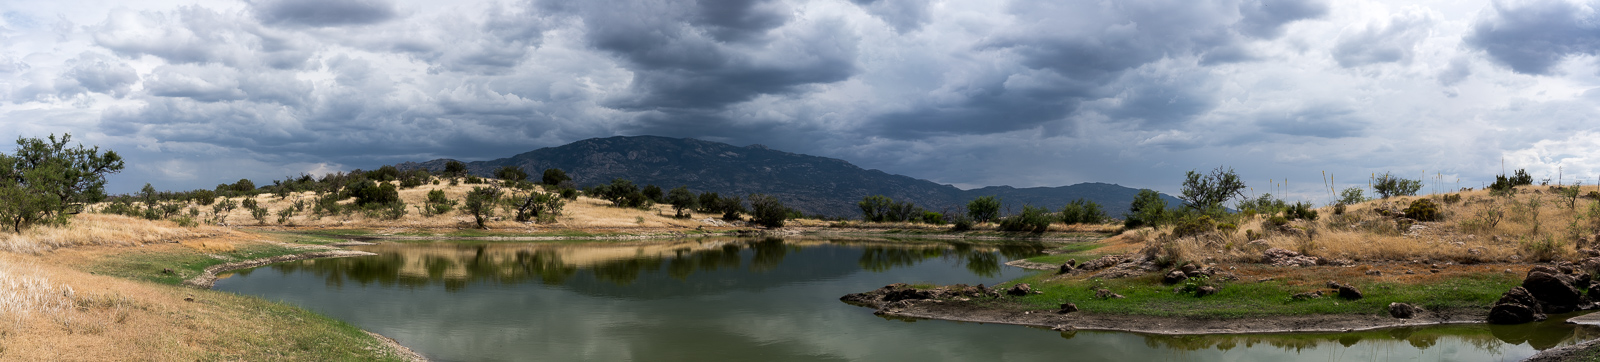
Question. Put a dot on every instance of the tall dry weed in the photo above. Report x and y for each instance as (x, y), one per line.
(25, 293)
(100, 229)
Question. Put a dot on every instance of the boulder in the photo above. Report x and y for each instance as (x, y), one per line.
(1065, 268)
(1020, 290)
(1349, 292)
(1543, 269)
(1175, 277)
(1514, 313)
(1307, 295)
(1106, 294)
(899, 294)
(1189, 268)
(1403, 311)
(1205, 290)
(1555, 295)
(1068, 308)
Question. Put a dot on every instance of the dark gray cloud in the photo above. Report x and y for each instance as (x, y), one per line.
(94, 72)
(322, 13)
(1385, 42)
(1078, 52)
(1321, 121)
(714, 54)
(1532, 36)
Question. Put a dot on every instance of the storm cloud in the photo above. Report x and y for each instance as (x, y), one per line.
(971, 93)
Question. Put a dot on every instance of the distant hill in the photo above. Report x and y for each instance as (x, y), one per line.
(812, 184)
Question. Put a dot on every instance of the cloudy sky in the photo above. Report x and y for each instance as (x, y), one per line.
(971, 93)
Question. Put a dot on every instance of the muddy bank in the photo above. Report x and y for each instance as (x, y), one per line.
(209, 277)
(958, 304)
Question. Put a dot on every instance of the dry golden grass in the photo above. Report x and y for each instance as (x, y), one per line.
(101, 229)
(583, 213)
(1536, 225)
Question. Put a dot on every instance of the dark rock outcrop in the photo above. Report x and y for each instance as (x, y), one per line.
(1067, 308)
(1175, 277)
(1554, 292)
(1403, 311)
(1350, 292)
(1021, 289)
(1516, 306)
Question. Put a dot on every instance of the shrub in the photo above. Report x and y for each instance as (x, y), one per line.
(1389, 185)
(540, 206)
(1265, 204)
(437, 204)
(555, 176)
(1148, 209)
(731, 207)
(1032, 219)
(44, 181)
(243, 186)
(879, 208)
(1451, 198)
(653, 193)
(203, 197)
(961, 223)
(1423, 210)
(767, 211)
(1351, 196)
(454, 169)
(569, 193)
(932, 218)
(367, 192)
(709, 202)
(1300, 211)
(285, 214)
(984, 209)
(1194, 226)
(510, 173)
(414, 178)
(259, 213)
(1082, 211)
(1569, 194)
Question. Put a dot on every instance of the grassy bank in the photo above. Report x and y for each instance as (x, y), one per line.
(118, 301)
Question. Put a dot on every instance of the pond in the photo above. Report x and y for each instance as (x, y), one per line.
(762, 299)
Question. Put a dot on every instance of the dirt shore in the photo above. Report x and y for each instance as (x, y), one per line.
(969, 312)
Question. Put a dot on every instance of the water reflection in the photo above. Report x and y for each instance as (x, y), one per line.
(763, 299)
(456, 265)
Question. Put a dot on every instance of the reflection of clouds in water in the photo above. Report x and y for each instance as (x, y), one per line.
(784, 307)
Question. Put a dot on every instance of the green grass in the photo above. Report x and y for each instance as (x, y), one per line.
(147, 265)
(1079, 251)
(1147, 296)
(280, 332)
(302, 238)
(338, 232)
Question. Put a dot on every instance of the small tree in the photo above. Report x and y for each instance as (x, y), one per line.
(555, 176)
(437, 204)
(767, 211)
(710, 202)
(1209, 192)
(455, 169)
(1387, 185)
(731, 207)
(1032, 219)
(1082, 211)
(510, 173)
(1147, 209)
(243, 186)
(875, 208)
(681, 199)
(44, 181)
(984, 209)
(480, 204)
(653, 193)
(1351, 196)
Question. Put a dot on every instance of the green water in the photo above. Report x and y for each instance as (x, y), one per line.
(763, 300)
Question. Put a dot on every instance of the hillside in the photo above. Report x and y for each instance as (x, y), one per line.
(815, 185)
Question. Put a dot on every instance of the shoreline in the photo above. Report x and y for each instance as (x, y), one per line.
(208, 278)
(1328, 323)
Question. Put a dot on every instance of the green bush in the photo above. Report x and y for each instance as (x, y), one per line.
(984, 209)
(879, 208)
(480, 204)
(1082, 211)
(1351, 196)
(1300, 211)
(203, 197)
(932, 218)
(45, 182)
(1209, 192)
(1423, 210)
(767, 211)
(653, 193)
(1032, 219)
(259, 213)
(1147, 209)
(961, 223)
(510, 173)
(555, 176)
(681, 199)
(367, 192)
(1390, 185)
(1194, 226)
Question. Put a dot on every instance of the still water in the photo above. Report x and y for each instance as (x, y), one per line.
(763, 299)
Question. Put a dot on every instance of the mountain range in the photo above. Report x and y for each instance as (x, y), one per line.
(811, 184)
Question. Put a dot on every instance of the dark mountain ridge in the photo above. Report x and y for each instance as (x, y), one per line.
(812, 184)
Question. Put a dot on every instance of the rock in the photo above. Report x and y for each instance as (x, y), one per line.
(907, 293)
(1555, 295)
(1375, 273)
(1583, 279)
(1065, 268)
(1020, 290)
(1175, 277)
(1106, 294)
(1403, 311)
(1282, 257)
(1102, 263)
(1205, 290)
(1067, 308)
(1334, 284)
(1543, 269)
(1513, 313)
(166, 271)
(1349, 292)
(1307, 295)
(1189, 268)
